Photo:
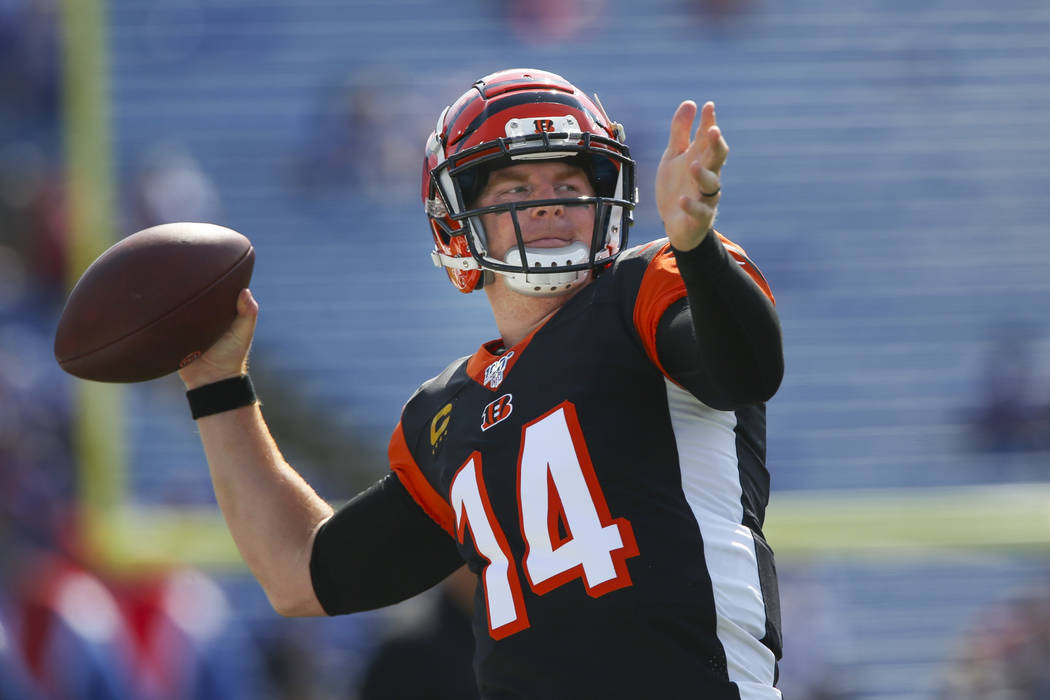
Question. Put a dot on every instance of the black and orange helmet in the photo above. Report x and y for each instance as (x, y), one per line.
(513, 116)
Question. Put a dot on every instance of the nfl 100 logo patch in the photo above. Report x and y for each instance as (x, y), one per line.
(494, 372)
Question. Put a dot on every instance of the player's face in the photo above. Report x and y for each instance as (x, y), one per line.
(551, 226)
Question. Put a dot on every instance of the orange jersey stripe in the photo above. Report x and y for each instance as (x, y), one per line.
(485, 356)
(662, 285)
(740, 255)
(402, 463)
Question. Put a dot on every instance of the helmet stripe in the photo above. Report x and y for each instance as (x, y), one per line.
(520, 98)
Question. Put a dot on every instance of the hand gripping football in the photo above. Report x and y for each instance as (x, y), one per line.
(153, 302)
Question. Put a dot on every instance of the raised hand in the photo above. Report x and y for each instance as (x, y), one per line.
(688, 180)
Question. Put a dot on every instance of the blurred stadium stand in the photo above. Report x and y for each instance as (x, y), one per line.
(888, 173)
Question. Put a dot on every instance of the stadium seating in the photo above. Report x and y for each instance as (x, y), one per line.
(887, 173)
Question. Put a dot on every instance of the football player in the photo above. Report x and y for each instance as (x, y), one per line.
(600, 466)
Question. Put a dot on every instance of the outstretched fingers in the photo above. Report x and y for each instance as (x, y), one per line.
(688, 180)
(702, 210)
(707, 120)
(681, 127)
(708, 182)
(708, 143)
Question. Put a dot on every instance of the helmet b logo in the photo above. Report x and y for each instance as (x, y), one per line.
(543, 125)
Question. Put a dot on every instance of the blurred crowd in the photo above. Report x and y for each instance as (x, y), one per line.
(68, 629)
(1013, 413)
(1004, 654)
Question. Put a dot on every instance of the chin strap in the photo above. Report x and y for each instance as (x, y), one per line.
(548, 283)
(453, 263)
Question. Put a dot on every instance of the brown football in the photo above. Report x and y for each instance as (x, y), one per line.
(153, 302)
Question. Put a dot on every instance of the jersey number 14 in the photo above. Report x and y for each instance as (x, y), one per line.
(563, 516)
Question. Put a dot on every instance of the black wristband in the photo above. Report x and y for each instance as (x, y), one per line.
(224, 395)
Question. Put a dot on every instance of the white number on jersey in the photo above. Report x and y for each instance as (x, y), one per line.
(506, 608)
(558, 492)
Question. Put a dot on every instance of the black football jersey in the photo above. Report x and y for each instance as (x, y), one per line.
(613, 519)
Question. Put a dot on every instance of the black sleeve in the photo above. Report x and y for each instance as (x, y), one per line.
(379, 549)
(722, 342)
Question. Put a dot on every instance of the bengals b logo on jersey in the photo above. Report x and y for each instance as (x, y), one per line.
(496, 411)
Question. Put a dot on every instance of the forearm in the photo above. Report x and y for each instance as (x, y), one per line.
(384, 532)
(272, 513)
(725, 344)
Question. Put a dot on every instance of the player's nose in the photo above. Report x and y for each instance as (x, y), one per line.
(547, 210)
(546, 192)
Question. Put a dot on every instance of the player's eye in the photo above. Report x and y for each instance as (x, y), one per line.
(513, 190)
